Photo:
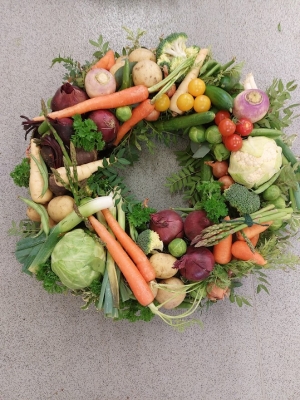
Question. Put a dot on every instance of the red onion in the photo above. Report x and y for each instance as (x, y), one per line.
(196, 264)
(99, 82)
(168, 224)
(194, 223)
(252, 104)
(66, 96)
(106, 123)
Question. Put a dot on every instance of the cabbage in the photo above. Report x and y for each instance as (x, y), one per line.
(256, 162)
(78, 259)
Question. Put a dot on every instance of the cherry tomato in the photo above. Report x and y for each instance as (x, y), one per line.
(233, 142)
(196, 87)
(185, 102)
(202, 103)
(162, 103)
(226, 127)
(222, 114)
(244, 126)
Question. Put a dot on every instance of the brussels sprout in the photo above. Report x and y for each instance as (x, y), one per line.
(78, 259)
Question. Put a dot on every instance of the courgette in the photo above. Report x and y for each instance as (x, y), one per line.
(219, 97)
(182, 122)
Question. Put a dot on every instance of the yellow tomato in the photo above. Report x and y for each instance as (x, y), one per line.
(185, 102)
(196, 87)
(202, 103)
(162, 103)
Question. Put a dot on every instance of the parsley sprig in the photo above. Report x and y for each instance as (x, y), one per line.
(86, 135)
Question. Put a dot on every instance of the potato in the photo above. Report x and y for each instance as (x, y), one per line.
(33, 215)
(59, 207)
(162, 264)
(141, 54)
(116, 66)
(172, 299)
(146, 73)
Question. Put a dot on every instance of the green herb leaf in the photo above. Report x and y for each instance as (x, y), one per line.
(86, 134)
(21, 173)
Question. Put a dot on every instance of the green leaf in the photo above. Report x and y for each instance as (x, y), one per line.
(262, 287)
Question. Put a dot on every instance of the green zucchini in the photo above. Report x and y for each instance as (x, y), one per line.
(182, 122)
(219, 97)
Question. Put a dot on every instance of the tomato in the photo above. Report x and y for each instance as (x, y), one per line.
(185, 102)
(202, 103)
(196, 87)
(222, 114)
(233, 142)
(162, 103)
(244, 126)
(226, 127)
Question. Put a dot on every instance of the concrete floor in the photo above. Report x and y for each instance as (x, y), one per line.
(49, 348)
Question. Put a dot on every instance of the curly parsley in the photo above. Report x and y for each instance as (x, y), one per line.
(21, 172)
(212, 200)
(86, 134)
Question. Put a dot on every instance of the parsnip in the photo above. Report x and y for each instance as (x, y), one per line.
(84, 171)
(36, 180)
(192, 74)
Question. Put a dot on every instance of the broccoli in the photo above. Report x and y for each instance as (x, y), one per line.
(149, 240)
(172, 51)
(241, 198)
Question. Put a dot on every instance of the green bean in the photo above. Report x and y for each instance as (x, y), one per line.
(41, 210)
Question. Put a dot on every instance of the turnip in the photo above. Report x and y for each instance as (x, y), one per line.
(252, 104)
(171, 294)
(99, 82)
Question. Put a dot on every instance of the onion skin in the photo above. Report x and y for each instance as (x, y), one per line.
(196, 264)
(194, 223)
(99, 82)
(66, 96)
(252, 104)
(168, 224)
(107, 124)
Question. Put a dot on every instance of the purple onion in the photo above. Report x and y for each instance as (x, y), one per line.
(252, 104)
(196, 264)
(106, 123)
(168, 225)
(67, 96)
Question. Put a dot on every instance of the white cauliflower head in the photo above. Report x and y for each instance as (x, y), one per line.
(256, 162)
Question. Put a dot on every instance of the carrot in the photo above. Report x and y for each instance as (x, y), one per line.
(132, 95)
(135, 252)
(140, 112)
(37, 178)
(183, 87)
(106, 62)
(222, 250)
(254, 239)
(136, 282)
(253, 230)
(84, 171)
(242, 251)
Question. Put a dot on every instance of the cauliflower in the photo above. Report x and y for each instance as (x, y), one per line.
(256, 162)
(149, 240)
(172, 50)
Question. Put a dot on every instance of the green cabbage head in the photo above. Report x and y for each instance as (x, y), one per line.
(78, 259)
(256, 162)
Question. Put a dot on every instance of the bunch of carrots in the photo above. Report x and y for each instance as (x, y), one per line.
(236, 246)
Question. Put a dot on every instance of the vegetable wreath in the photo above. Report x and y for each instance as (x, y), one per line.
(86, 234)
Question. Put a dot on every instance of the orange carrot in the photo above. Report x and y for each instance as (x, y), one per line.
(242, 251)
(214, 292)
(136, 282)
(222, 250)
(140, 112)
(106, 62)
(134, 251)
(254, 239)
(253, 230)
(132, 95)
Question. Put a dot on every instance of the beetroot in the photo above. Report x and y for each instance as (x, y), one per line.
(168, 225)
(196, 264)
(194, 223)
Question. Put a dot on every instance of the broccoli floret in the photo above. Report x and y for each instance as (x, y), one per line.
(149, 240)
(172, 51)
(241, 198)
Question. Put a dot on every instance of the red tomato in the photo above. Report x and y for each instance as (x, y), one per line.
(221, 115)
(244, 126)
(226, 127)
(233, 142)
